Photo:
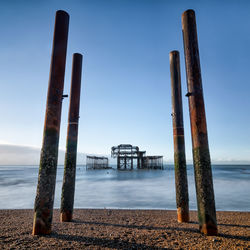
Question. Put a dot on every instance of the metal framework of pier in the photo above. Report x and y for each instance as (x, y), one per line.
(96, 162)
(152, 162)
(126, 153)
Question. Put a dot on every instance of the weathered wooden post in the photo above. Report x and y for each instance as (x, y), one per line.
(181, 184)
(68, 187)
(201, 156)
(49, 153)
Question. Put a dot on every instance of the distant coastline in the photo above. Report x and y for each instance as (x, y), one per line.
(23, 155)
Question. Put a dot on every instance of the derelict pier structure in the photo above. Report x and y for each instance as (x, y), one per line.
(97, 162)
(126, 153)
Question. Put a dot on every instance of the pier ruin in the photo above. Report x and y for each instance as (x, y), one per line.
(126, 154)
(152, 162)
(97, 162)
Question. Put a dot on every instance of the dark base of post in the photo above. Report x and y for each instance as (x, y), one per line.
(40, 228)
(66, 216)
(182, 215)
(209, 229)
(181, 183)
(205, 192)
(43, 209)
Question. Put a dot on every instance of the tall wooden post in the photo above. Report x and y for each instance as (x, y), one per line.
(49, 153)
(201, 156)
(68, 187)
(181, 184)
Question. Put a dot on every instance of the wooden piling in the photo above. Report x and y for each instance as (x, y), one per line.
(181, 184)
(201, 156)
(43, 211)
(68, 187)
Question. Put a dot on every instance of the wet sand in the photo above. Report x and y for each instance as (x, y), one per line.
(124, 229)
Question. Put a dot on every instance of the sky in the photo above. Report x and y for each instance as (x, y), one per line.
(126, 95)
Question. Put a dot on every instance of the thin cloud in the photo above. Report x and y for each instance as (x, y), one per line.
(28, 155)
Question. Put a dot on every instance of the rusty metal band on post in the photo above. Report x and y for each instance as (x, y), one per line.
(49, 153)
(201, 156)
(68, 187)
(181, 183)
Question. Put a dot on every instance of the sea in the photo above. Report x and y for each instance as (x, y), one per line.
(137, 189)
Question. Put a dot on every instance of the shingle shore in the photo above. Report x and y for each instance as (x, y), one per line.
(124, 229)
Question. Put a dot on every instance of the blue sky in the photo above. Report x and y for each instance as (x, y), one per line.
(126, 96)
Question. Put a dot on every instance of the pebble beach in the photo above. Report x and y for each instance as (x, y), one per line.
(124, 229)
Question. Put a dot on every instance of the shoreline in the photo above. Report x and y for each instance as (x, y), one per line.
(129, 209)
(124, 229)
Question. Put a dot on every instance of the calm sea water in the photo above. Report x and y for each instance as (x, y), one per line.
(142, 189)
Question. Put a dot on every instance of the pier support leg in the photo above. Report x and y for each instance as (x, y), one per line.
(181, 184)
(68, 187)
(118, 163)
(49, 153)
(201, 156)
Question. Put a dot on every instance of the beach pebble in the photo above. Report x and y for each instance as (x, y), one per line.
(215, 240)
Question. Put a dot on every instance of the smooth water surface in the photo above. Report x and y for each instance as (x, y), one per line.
(143, 189)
